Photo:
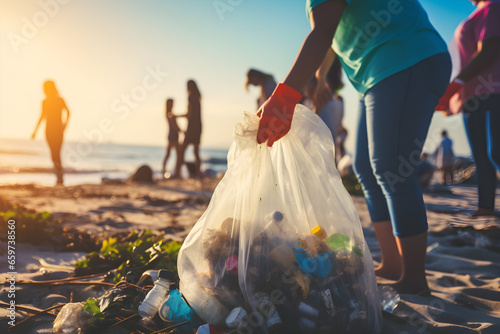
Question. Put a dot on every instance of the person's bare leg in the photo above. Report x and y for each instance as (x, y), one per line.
(197, 161)
(413, 251)
(484, 212)
(450, 174)
(180, 159)
(391, 266)
(55, 151)
(167, 155)
(178, 148)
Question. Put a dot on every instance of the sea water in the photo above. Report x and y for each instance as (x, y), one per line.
(24, 161)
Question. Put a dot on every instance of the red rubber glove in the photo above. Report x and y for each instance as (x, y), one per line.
(444, 101)
(276, 114)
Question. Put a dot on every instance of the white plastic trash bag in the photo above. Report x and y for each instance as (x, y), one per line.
(282, 240)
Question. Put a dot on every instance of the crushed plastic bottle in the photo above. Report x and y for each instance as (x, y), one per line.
(176, 310)
(157, 294)
(71, 319)
(389, 298)
(308, 311)
(265, 306)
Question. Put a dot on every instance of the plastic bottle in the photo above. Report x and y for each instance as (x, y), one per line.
(389, 298)
(274, 228)
(308, 311)
(176, 310)
(236, 317)
(268, 310)
(204, 329)
(318, 235)
(319, 232)
(206, 305)
(156, 295)
(209, 329)
(152, 273)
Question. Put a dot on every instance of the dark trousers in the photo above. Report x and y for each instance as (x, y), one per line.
(482, 122)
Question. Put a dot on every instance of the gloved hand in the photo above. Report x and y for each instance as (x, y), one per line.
(444, 101)
(276, 114)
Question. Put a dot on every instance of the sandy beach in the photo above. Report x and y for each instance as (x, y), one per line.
(124, 123)
(463, 263)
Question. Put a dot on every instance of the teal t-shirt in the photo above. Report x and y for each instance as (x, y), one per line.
(378, 38)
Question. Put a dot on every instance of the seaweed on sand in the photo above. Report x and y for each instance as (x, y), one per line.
(41, 229)
(129, 257)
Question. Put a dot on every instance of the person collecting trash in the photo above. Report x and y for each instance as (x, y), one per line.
(280, 248)
(400, 65)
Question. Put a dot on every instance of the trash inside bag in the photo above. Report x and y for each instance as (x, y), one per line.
(280, 247)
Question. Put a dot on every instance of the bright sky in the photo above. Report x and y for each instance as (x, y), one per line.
(116, 61)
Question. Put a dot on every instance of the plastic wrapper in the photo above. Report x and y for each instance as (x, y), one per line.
(71, 319)
(282, 239)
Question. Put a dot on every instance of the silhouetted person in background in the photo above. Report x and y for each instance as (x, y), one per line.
(193, 132)
(475, 92)
(264, 81)
(330, 108)
(445, 158)
(173, 134)
(341, 138)
(52, 108)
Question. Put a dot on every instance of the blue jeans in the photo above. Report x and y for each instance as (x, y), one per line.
(482, 122)
(394, 118)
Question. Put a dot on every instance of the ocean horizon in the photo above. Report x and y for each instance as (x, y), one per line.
(24, 161)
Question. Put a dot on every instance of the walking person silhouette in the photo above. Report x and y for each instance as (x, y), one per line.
(193, 132)
(173, 134)
(52, 108)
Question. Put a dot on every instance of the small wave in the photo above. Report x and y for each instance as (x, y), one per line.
(43, 170)
(216, 161)
(7, 152)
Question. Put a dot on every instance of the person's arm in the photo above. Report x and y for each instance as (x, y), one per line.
(323, 92)
(42, 116)
(324, 21)
(188, 109)
(277, 112)
(489, 52)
